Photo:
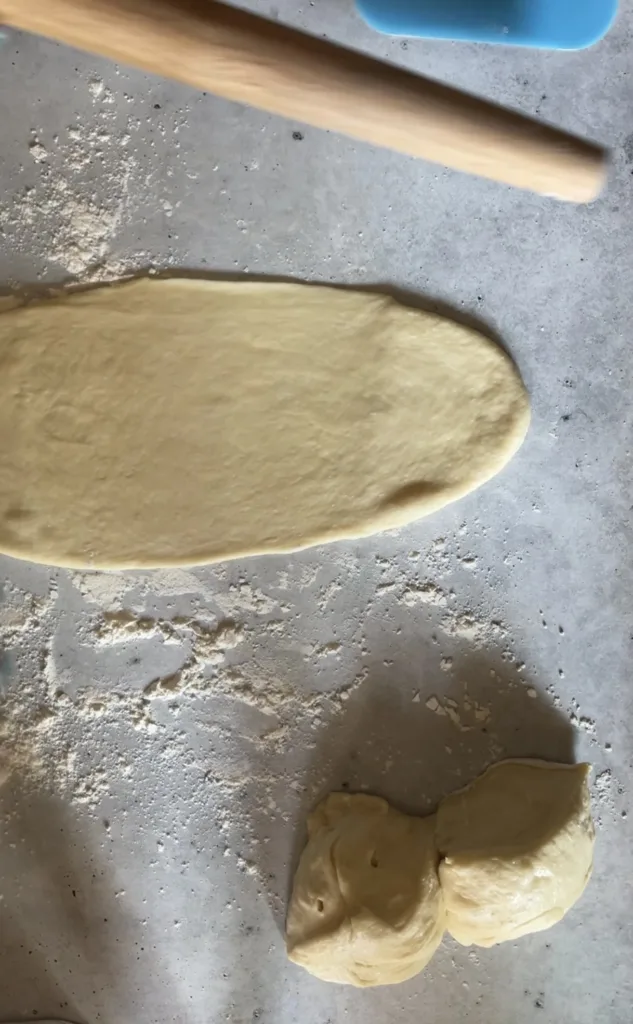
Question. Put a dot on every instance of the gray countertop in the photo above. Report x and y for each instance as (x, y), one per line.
(162, 734)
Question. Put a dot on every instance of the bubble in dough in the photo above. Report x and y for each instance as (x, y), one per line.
(517, 850)
(366, 907)
(164, 422)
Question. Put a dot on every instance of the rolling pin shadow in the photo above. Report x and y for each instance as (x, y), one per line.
(250, 60)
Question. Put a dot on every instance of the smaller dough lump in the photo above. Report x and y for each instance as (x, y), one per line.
(517, 850)
(366, 907)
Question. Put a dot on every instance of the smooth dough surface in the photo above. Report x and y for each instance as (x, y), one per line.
(517, 849)
(178, 421)
(366, 907)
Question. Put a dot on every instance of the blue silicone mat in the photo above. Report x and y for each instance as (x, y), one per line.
(550, 24)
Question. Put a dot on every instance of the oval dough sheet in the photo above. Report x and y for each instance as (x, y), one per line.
(366, 906)
(179, 421)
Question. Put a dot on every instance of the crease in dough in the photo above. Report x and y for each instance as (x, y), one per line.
(162, 422)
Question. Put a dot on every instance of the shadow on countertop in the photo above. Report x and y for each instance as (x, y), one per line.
(395, 739)
(68, 944)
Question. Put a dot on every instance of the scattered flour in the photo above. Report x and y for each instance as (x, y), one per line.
(466, 715)
(242, 598)
(241, 667)
(96, 88)
(37, 151)
(77, 225)
(607, 794)
(91, 185)
(425, 593)
(51, 725)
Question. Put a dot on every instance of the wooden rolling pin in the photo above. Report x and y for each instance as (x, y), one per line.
(250, 60)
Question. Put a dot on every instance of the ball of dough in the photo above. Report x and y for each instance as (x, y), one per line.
(517, 848)
(366, 906)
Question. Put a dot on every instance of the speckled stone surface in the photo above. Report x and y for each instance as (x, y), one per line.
(162, 735)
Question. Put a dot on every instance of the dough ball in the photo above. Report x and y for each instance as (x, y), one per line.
(366, 907)
(517, 848)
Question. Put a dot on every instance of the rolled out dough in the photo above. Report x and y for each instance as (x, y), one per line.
(517, 848)
(181, 421)
(366, 906)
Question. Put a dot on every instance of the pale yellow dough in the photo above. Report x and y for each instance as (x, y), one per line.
(517, 849)
(182, 421)
(366, 906)
(508, 855)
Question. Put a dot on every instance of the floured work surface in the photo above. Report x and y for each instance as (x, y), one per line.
(182, 421)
